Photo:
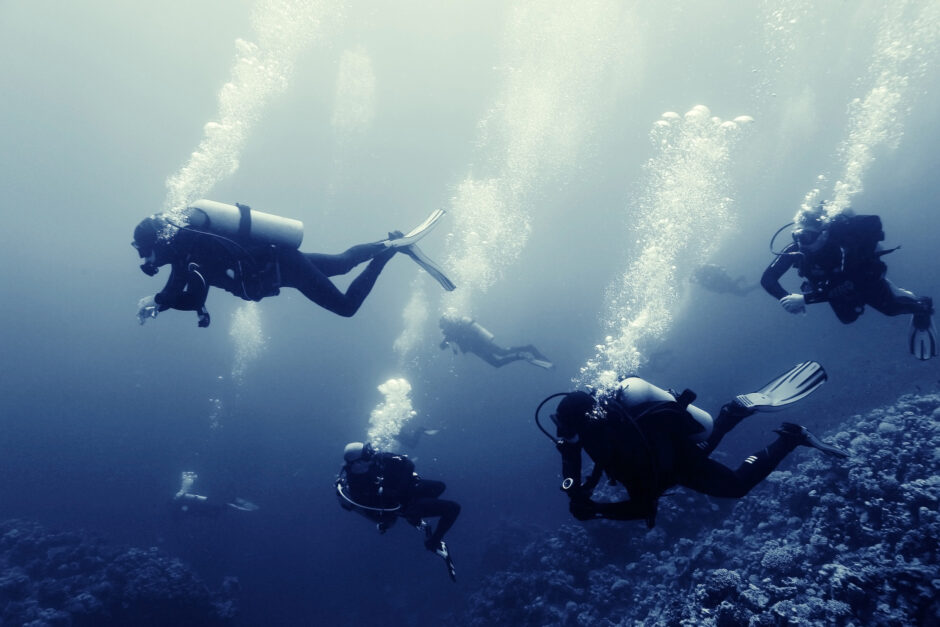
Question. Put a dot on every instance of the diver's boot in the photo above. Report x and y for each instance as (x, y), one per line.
(803, 437)
(392, 237)
(922, 337)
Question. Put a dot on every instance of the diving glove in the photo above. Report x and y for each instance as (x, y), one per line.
(146, 309)
(794, 303)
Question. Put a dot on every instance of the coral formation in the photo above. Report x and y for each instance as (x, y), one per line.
(50, 579)
(829, 542)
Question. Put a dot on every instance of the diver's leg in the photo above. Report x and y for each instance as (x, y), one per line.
(715, 479)
(445, 511)
(891, 300)
(333, 265)
(497, 357)
(298, 272)
(728, 418)
(527, 352)
(428, 488)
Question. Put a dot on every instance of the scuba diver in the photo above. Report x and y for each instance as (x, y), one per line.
(185, 503)
(253, 255)
(839, 259)
(650, 440)
(384, 487)
(716, 279)
(470, 337)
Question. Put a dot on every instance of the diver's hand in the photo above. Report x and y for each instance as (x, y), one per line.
(146, 309)
(204, 318)
(794, 303)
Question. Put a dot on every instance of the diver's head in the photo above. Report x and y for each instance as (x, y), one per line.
(146, 239)
(357, 455)
(809, 228)
(146, 235)
(571, 413)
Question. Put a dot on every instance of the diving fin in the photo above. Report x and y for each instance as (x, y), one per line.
(923, 337)
(415, 234)
(448, 561)
(793, 385)
(541, 363)
(429, 266)
(243, 505)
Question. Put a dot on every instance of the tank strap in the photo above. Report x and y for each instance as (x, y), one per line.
(244, 221)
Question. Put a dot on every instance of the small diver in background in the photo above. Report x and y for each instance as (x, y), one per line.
(839, 258)
(716, 279)
(253, 254)
(410, 434)
(185, 503)
(384, 487)
(470, 337)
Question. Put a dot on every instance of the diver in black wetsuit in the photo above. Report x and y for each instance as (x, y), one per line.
(650, 440)
(840, 260)
(470, 337)
(384, 487)
(251, 269)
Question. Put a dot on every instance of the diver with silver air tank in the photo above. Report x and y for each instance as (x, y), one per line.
(650, 440)
(253, 254)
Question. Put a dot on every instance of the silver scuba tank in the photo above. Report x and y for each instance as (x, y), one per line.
(242, 223)
(635, 391)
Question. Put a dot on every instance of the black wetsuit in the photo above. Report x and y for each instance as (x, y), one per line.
(200, 260)
(390, 482)
(847, 272)
(652, 447)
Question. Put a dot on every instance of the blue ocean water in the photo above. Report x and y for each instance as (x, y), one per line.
(589, 156)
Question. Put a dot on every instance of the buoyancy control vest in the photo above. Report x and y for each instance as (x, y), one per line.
(253, 238)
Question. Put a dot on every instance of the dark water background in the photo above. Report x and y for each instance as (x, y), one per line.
(98, 416)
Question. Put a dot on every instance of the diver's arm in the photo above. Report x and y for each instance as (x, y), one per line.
(770, 280)
(171, 293)
(570, 449)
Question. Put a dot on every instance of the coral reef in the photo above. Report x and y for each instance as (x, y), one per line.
(50, 579)
(829, 542)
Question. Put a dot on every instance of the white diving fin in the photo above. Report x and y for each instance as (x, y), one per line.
(429, 266)
(415, 234)
(793, 385)
(923, 337)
